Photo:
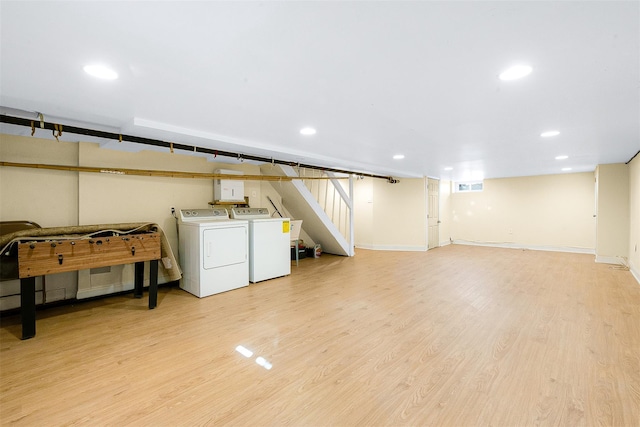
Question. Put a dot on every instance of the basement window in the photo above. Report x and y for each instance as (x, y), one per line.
(466, 187)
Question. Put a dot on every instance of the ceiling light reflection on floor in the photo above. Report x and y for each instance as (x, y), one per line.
(244, 351)
(263, 362)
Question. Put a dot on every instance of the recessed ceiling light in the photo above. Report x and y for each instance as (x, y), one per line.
(399, 156)
(563, 157)
(308, 131)
(449, 168)
(566, 169)
(100, 71)
(516, 72)
(550, 133)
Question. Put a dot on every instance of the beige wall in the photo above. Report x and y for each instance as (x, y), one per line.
(56, 198)
(612, 225)
(391, 216)
(363, 212)
(553, 211)
(107, 198)
(634, 217)
(49, 198)
(550, 211)
(547, 212)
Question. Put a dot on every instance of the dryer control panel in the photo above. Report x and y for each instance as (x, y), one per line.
(200, 215)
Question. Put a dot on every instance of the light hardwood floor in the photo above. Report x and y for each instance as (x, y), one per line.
(457, 336)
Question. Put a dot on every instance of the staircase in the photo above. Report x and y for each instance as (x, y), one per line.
(324, 205)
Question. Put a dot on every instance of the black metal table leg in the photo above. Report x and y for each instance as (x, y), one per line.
(138, 279)
(28, 307)
(153, 283)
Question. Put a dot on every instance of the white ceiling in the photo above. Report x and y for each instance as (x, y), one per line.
(374, 78)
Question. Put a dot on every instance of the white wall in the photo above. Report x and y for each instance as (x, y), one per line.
(634, 217)
(543, 212)
(612, 225)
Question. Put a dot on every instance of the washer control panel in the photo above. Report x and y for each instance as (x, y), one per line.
(250, 213)
(192, 215)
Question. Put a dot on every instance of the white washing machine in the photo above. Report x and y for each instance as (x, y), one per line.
(269, 243)
(213, 251)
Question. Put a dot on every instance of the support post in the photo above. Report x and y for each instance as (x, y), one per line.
(28, 307)
(153, 283)
(138, 279)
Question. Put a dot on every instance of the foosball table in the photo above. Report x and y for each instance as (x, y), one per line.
(50, 254)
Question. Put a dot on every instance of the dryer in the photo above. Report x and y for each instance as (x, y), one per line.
(214, 251)
(269, 243)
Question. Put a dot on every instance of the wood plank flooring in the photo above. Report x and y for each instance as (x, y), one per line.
(457, 336)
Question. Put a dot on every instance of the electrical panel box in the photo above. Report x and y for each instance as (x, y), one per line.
(228, 190)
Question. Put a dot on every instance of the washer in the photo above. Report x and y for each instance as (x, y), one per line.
(213, 251)
(269, 243)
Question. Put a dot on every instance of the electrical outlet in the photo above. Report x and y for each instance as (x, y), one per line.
(173, 210)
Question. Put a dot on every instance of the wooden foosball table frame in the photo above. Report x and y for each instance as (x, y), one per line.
(60, 254)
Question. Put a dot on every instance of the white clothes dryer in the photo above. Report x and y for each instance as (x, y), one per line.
(213, 251)
(269, 243)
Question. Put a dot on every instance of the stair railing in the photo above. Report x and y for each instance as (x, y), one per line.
(335, 196)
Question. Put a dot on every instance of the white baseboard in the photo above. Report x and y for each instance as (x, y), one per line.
(609, 260)
(445, 243)
(393, 248)
(635, 273)
(528, 247)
